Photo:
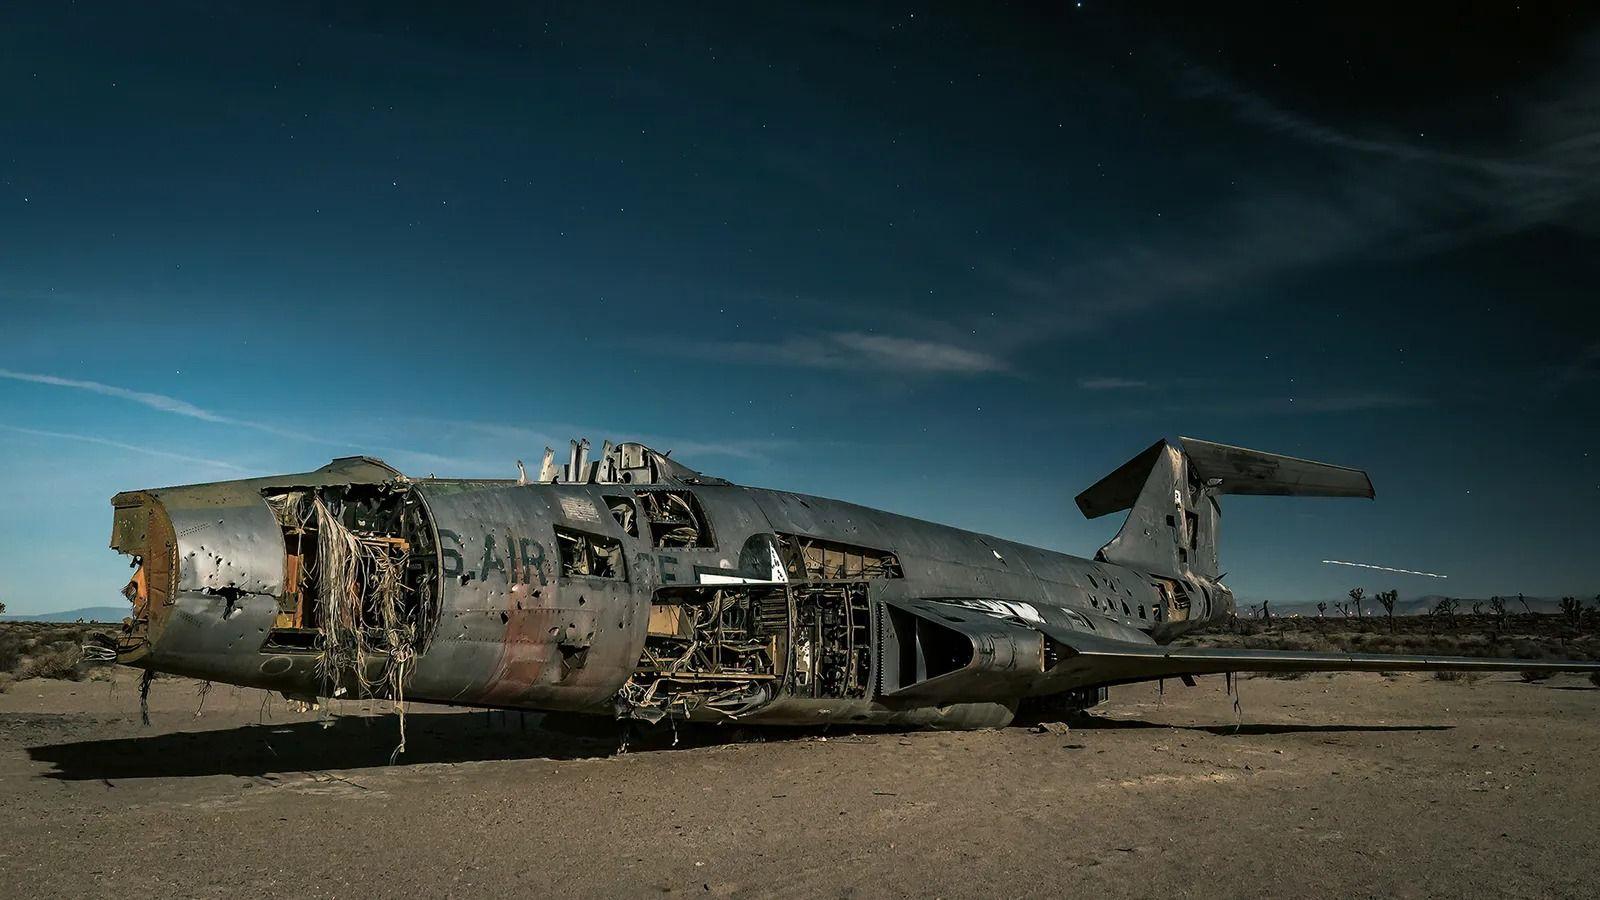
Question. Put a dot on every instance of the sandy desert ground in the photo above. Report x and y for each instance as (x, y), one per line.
(1351, 785)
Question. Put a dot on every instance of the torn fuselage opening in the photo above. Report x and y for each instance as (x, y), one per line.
(722, 648)
(142, 529)
(832, 640)
(731, 649)
(361, 582)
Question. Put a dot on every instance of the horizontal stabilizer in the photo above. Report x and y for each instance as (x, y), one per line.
(1120, 490)
(1235, 470)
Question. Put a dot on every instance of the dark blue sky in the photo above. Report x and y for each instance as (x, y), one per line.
(954, 263)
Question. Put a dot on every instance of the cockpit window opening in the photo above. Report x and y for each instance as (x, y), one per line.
(626, 514)
(589, 555)
(676, 519)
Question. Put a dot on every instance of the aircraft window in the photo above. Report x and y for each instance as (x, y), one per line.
(589, 555)
(1141, 610)
(623, 510)
(676, 519)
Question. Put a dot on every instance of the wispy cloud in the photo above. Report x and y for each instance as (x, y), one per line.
(1383, 197)
(863, 351)
(1252, 107)
(174, 406)
(119, 445)
(1553, 175)
(155, 401)
(1111, 383)
(159, 402)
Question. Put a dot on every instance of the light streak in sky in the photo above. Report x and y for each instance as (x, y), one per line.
(1340, 562)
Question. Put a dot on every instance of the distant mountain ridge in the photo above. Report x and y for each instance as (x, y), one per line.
(1422, 606)
(87, 613)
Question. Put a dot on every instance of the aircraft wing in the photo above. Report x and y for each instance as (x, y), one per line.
(1098, 661)
(950, 650)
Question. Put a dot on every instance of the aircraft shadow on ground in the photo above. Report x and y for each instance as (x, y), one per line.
(1092, 723)
(355, 742)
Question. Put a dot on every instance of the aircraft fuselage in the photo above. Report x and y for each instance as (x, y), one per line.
(649, 597)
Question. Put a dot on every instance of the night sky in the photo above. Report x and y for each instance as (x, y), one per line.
(954, 262)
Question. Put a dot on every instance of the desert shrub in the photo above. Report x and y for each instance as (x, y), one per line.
(56, 663)
(60, 634)
(12, 641)
(5, 681)
(1533, 676)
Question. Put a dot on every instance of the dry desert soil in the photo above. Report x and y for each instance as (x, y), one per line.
(1326, 786)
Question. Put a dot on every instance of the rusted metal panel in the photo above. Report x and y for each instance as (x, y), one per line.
(514, 631)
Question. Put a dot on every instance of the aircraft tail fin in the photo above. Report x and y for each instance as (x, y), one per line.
(1172, 494)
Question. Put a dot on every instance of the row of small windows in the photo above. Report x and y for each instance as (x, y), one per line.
(1111, 584)
(1110, 606)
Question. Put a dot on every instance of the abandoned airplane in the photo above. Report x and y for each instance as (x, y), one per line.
(633, 586)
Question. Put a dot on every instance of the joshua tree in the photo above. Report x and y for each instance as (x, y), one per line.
(1572, 608)
(1497, 604)
(1477, 607)
(1355, 599)
(1524, 601)
(1388, 598)
(1446, 609)
(1322, 608)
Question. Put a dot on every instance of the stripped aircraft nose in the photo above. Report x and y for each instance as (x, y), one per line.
(209, 568)
(221, 571)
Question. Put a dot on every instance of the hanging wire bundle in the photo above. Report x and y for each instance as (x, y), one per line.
(367, 636)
